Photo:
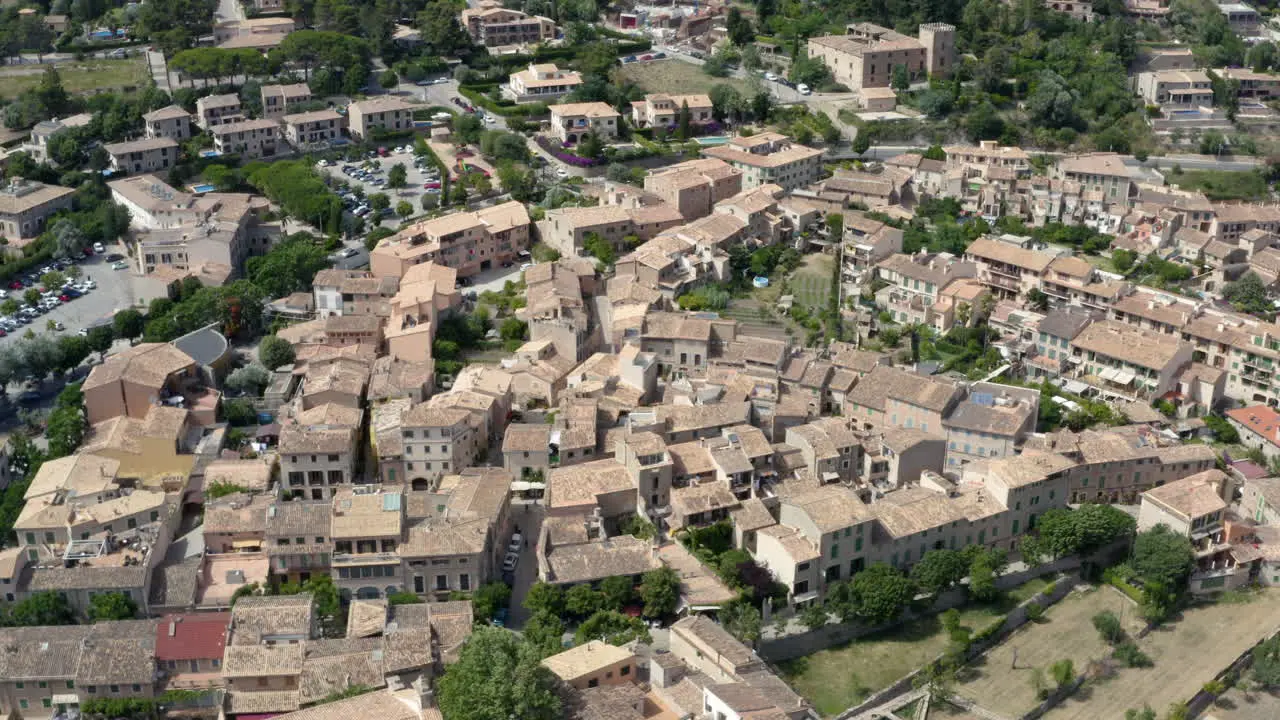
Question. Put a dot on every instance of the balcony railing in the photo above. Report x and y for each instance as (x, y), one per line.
(365, 558)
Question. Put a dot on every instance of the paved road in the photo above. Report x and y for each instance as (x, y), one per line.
(1188, 162)
(529, 518)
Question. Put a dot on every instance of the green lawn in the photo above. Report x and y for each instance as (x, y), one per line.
(811, 282)
(77, 77)
(836, 679)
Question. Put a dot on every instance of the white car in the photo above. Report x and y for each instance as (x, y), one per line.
(770, 77)
(516, 541)
(561, 172)
(510, 561)
(99, 248)
(347, 252)
(803, 89)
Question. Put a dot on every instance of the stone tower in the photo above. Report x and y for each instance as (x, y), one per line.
(939, 40)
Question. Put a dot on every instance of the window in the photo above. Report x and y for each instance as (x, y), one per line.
(44, 684)
(46, 702)
(625, 671)
(20, 685)
(593, 682)
(115, 689)
(22, 704)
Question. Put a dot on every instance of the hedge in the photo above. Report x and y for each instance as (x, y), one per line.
(476, 94)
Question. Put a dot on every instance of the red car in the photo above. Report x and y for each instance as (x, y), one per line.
(16, 285)
(64, 298)
(431, 185)
(2, 332)
(88, 252)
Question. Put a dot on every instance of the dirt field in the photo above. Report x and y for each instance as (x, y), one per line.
(1187, 654)
(678, 77)
(1236, 705)
(1067, 632)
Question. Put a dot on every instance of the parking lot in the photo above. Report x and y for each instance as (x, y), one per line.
(370, 175)
(114, 292)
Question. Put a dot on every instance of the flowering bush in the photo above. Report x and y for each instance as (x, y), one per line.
(561, 153)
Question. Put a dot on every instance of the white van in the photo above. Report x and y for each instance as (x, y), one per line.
(803, 89)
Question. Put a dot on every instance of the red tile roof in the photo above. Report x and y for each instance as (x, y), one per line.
(195, 636)
(1260, 419)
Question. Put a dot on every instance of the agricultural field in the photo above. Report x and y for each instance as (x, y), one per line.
(1000, 681)
(811, 282)
(678, 77)
(77, 77)
(1187, 653)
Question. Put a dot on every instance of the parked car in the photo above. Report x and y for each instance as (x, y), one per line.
(119, 265)
(510, 561)
(99, 248)
(516, 542)
(347, 252)
(803, 89)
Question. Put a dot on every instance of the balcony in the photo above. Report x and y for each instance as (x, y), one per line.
(375, 558)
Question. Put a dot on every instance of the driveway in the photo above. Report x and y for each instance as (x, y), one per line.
(528, 516)
(494, 278)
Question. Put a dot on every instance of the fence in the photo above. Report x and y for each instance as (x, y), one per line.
(800, 644)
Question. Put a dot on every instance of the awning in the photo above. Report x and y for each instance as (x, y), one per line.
(1124, 377)
(525, 486)
(68, 699)
(246, 544)
(1075, 387)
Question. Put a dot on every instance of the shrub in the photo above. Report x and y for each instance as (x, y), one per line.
(1035, 612)
(1108, 626)
(1132, 656)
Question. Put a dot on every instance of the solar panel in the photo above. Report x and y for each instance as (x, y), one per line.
(979, 398)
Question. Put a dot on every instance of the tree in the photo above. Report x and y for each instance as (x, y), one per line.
(1082, 531)
(513, 329)
(739, 28)
(100, 339)
(582, 600)
(861, 143)
(939, 570)
(1053, 101)
(814, 616)
(397, 176)
(250, 379)
(982, 580)
(984, 123)
(1266, 663)
(613, 628)
(112, 606)
(901, 78)
(388, 80)
(69, 240)
(616, 592)
(545, 632)
(496, 676)
(1038, 300)
(1163, 556)
(73, 350)
(43, 608)
(1249, 295)
(881, 593)
(128, 324)
(404, 208)
(726, 102)
(684, 122)
(742, 620)
(488, 599)
(599, 248)
(31, 296)
(1108, 626)
(275, 352)
(289, 267)
(660, 592)
(1146, 713)
(545, 597)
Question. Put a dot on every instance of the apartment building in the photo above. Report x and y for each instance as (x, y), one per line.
(368, 530)
(1259, 427)
(425, 293)
(146, 155)
(51, 671)
(1008, 268)
(683, 341)
(694, 187)
(989, 154)
(467, 242)
(1232, 220)
(37, 145)
(213, 110)
(572, 122)
(389, 114)
(770, 158)
(458, 542)
(1103, 173)
(353, 292)
(1129, 360)
(659, 110)
(491, 25)
(316, 461)
(320, 127)
(250, 139)
(566, 229)
(438, 441)
(1255, 85)
(131, 382)
(214, 233)
(867, 56)
(189, 649)
(1051, 344)
(281, 100)
(298, 538)
(168, 122)
(1196, 508)
(25, 206)
(544, 83)
(892, 397)
(992, 421)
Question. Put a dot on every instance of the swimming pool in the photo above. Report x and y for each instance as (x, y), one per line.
(209, 153)
(203, 188)
(713, 140)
